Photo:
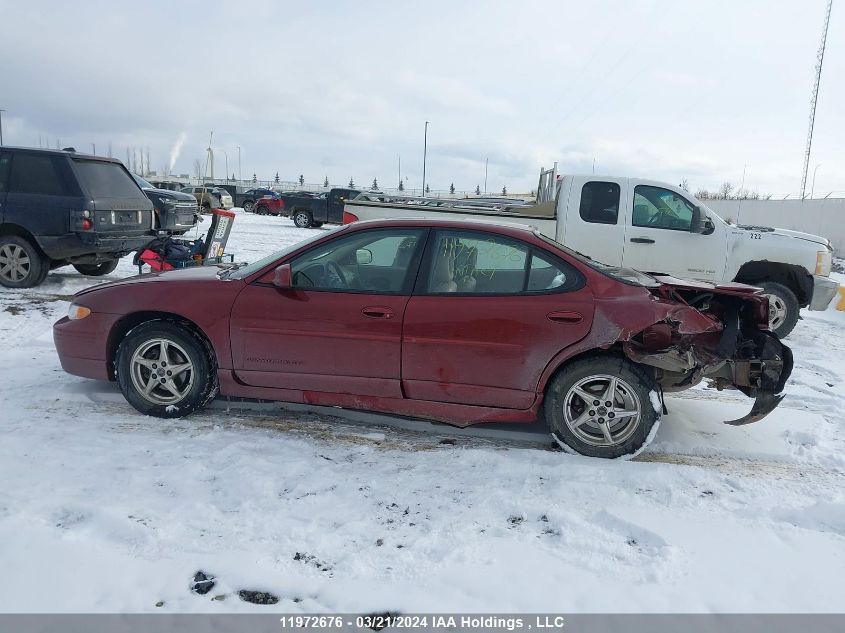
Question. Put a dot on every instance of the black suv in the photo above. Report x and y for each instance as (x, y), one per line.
(60, 207)
(175, 212)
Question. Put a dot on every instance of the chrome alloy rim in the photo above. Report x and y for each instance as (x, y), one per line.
(777, 311)
(602, 410)
(14, 263)
(161, 371)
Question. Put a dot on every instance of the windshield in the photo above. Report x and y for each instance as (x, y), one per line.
(143, 184)
(625, 275)
(246, 270)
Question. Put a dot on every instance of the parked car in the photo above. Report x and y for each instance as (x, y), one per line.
(313, 210)
(246, 200)
(210, 197)
(175, 211)
(456, 321)
(61, 207)
(270, 204)
(655, 227)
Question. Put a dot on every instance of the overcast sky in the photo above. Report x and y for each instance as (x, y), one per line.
(665, 89)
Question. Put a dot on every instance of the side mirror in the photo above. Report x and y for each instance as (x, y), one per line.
(282, 277)
(364, 256)
(701, 223)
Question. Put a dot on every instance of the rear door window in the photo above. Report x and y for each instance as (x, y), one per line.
(5, 163)
(600, 202)
(37, 174)
(106, 180)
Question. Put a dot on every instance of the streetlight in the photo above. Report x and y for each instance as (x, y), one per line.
(240, 173)
(485, 175)
(1, 127)
(813, 187)
(425, 150)
(226, 159)
(400, 167)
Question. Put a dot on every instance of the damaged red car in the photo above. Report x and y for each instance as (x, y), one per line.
(462, 322)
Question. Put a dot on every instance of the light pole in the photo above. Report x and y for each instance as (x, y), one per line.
(485, 175)
(813, 187)
(400, 168)
(1, 127)
(425, 151)
(226, 160)
(240, 173)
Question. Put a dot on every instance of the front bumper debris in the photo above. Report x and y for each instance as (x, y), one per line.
(824, 290)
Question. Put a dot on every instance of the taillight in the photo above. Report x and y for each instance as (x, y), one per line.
(349, 218)
(87, 224)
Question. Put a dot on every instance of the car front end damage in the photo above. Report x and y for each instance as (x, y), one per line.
(715, 332)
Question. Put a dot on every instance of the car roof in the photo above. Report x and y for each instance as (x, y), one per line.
(506, 228)
(58, 152)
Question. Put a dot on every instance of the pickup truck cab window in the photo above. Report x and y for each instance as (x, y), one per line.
(371, 262)
(600, 202)
(658, 208)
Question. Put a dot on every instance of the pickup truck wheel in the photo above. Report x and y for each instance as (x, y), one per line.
(783, 308)
(601, 407)
(166, 370)
(249, 205)
(21, 264)
(97, 270)
(303, 219)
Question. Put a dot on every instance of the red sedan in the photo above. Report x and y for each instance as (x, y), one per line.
(463, 322)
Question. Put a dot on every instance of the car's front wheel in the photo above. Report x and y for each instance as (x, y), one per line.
(166, 370)
(249, 205)
(302, 219)
(97, 270)
(783, 308)
(602, 407)
(261, 209)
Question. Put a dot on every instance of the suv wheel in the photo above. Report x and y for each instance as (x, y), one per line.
(249, 205)
(601, 407)
(261, 209)
(21, 264)
(97, 270)
(166, 370)
(302, 219)
(783, 308)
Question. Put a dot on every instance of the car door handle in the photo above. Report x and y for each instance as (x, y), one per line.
(642, 240)
(565, 316)
(378, 312)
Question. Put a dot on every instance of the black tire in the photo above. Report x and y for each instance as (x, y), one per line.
(316, 225)
(21, 263)
(206, 207)
(303, 219)
(249, 205)
(97, 270)
(184, 347)
(628, 434)
(783, 308)
(261, 209)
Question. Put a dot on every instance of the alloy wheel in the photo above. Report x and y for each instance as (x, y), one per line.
(777, 311)
(162, 372)
(15, 264)
(602, 410)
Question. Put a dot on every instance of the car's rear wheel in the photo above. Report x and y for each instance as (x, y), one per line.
(261, 209)
(166, 370)
(21, 263)
(601, 407)
(97, 270)
(302, 219)
(249, 205)
(783, 308)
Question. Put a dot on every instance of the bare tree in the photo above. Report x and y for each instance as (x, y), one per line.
(197, 168)
(703, 194)
(326, 182)
(452, 188)
(301, 180)
(684, 184)
(725, 190)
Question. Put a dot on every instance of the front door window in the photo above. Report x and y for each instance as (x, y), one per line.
(658, 208)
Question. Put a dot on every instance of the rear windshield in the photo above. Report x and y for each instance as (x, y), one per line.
(106, 180)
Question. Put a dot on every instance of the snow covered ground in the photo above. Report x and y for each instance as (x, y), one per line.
(102, 509)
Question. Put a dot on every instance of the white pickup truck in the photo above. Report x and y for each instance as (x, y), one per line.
(652, 227)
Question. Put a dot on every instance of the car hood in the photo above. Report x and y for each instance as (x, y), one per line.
(195, 274)
(729, 288)
(809, 237)
(172, 195)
